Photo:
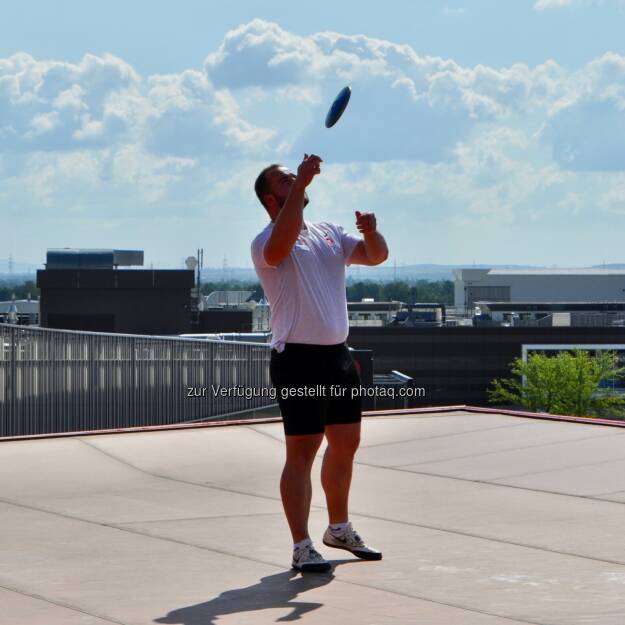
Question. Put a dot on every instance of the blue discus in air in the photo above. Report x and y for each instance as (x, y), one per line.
(338, 106)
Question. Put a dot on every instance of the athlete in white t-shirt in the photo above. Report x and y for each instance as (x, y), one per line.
(301, 266)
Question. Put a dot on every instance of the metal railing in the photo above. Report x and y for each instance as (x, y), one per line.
(575, 320)
(67, 381)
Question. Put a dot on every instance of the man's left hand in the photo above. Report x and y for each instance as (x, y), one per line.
(366, 223)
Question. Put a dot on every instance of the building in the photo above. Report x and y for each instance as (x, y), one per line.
(368, 312)
(420, 315)
(537, 285)
(230, 299)
(455, 365)
(87, 290)
(549, 314)
(233, 311)
(216, 320)
(20, 311)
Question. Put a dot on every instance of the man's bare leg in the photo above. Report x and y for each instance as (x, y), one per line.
(336, 470)
(295, 485)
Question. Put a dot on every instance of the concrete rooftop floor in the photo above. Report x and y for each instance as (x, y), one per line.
(483, 519)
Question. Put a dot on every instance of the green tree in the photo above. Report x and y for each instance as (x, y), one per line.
(568, 383)
(439, 291)
(21, 291)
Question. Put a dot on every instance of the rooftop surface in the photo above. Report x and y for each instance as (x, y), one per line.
(484, 519)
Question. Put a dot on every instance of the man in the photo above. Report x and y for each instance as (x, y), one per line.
(301, 266)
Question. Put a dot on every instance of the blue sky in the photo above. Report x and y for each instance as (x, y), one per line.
(478, 131)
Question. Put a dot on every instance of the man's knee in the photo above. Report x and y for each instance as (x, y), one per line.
(345, 448)
(301, 450)
(343, 439)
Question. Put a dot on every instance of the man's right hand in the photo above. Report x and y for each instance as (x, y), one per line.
(309, 168)
(288, 223)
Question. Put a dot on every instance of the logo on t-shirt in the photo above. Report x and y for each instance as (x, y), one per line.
(328, 239)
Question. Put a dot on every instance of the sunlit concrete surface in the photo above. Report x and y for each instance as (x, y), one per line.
(483, 519)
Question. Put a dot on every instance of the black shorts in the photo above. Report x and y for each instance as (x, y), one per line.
(316, 385)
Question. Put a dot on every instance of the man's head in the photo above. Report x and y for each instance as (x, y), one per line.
(273, 186)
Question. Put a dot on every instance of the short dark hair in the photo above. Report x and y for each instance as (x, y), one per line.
(260, 186)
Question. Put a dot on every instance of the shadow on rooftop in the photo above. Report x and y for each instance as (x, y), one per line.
(273, 591)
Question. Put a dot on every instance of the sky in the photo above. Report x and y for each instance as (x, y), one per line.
(479, 131)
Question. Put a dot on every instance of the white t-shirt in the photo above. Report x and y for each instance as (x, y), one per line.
(306, 291)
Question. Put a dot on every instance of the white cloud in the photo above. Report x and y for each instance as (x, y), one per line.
(612, 200)
(542, 5)
(184, 115)
(488, 159)
(45, 122)
(456, 147)
(72, 98)
(152, 175)
(103, 102)
(412, 106)
(262, 54)
(43, 103)
(262, 51)
(586, 126)
(404, 106)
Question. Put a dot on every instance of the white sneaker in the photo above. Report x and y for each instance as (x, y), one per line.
(308, 560)
(350, 540)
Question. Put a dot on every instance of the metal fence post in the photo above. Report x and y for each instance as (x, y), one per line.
(13, 380)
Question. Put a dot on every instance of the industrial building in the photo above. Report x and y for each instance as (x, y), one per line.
(87, 290)
(233, 311)
(549, 314)
(20, 311)
(455, 365)
(369, 313)
(537, 285)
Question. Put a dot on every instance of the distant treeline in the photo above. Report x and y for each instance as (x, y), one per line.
(439, 291)
(20, 291)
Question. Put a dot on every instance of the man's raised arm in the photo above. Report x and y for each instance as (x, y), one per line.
(372, 250)
(288, 223)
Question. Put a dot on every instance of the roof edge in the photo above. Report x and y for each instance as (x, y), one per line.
(371, 413)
